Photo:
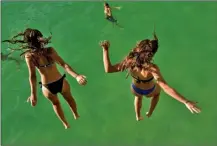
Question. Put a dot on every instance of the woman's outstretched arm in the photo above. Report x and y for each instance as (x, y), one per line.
(109, 68)
(117, 8)
(63, 64)
(171, 91)
(81, 79)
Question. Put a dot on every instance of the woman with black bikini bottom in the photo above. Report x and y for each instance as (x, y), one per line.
(52, 82)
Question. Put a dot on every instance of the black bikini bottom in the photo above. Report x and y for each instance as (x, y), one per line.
(54, 87)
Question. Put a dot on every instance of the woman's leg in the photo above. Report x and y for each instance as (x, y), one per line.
(56, 106)
(69, 99)
(137, 105)
(154, 100)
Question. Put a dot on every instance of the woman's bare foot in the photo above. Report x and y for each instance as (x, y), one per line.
(139, 118)
(148, 114)
(66, 126)
(76, 116)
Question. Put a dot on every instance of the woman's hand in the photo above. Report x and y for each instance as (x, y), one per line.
(104, 44)
(192, 107)
(32, 99)
(81, 79)
(118, 8)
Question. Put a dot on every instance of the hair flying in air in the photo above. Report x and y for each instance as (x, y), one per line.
(32, 41)
(141, 56)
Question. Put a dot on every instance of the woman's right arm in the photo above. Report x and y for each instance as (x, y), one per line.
(171, 91)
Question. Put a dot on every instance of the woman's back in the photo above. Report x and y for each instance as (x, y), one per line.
(45, 64)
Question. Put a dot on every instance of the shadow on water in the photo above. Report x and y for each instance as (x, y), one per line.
(7, 57)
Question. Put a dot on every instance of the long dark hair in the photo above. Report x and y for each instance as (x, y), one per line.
(107, 5)
(141, 56)
(33, 41)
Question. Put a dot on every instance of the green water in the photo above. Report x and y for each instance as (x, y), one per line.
(187, 58)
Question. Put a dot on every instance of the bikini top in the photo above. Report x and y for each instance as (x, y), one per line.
(142, 81)
(46, 65)
(50, 63)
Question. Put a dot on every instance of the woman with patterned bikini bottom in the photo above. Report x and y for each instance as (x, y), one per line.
(144, 73)
(52, 82)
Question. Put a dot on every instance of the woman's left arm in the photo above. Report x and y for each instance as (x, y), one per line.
(171, 91)
(81, 79)
(32, 75)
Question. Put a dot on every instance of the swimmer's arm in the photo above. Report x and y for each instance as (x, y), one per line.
(167, 89)
(62, 63)
(117, 8)
(109, 68)
(32, 75)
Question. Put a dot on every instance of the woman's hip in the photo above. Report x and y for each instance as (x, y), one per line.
(149, 92)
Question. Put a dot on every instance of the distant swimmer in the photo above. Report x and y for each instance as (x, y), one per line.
(108, 13)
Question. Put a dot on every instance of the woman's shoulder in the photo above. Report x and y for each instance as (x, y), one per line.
(50, 50)
(153, 67)
(27, 54)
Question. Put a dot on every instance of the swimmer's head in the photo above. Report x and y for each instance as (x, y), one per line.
(34, 38)
(142, 55)
(148, 45)
(32, 35)
(106, 4)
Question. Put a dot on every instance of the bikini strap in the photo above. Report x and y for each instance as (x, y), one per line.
(40, 83)
(143, 81)
(137, 79)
